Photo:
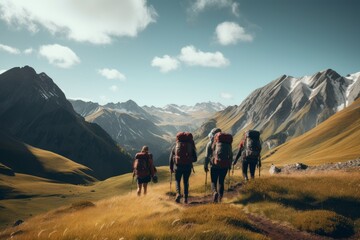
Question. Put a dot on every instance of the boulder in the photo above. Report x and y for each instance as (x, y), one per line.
(274, 170)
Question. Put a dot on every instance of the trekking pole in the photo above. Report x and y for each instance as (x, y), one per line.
(259, 166)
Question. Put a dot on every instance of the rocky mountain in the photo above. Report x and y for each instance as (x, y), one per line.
(132, 131)
(34, 110)
(337, 139)
(288, 107)
(133, 126)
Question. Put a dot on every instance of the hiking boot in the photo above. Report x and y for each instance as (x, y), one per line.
(215, 197)
(178, 197)
(220, 198)
(185, 200)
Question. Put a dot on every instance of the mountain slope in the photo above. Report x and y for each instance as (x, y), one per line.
(335, 140)
(34, 110)
(288, 107)
(132, 131)
(18, 157)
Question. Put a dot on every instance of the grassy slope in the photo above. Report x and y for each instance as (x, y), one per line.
(335, 140)
(119, 213)
(23, 158)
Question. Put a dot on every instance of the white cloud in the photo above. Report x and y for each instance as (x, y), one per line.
(59, 56)
(166, 63)
(9, 49)
(114, 88)
(226, 95)
(28, 51)
(81, 98)
(2, 70)
(201, 5)
(194, 57)
(235, 9)
(95, 21)
(111, 74)
(230, 33)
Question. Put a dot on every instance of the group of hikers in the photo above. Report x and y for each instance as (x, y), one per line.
(218, 154)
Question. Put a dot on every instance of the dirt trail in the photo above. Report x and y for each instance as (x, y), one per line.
(265, 226)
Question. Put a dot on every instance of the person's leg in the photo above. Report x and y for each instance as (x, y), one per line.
(214, 172)
(139, 189)
(245, 169)
(214, 179)
(186, 184)
(252, 169)
(145, 188)
(178, 175)
(222, 175)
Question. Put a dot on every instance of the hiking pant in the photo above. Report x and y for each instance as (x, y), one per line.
(217, 179)
(249, 163)
(185, 173)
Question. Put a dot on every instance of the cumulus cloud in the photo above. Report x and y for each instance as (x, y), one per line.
(9, 49)
(165, 63)
(28, 51)
(59, 55)
(94, 21)
(111, 74)
(201, 5)
(230, 33)
(226, 95)
(193, 57)
(114, 88)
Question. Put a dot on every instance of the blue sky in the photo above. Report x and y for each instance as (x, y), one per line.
(158, 52)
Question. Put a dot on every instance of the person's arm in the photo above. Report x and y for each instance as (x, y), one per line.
(151, 165)
(208, 154)
(194, 155)
(231, 156)
(241, 146)
(171, 159)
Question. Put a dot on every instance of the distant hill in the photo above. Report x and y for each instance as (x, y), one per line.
(17, 157)
(335, 140)
(34, 110)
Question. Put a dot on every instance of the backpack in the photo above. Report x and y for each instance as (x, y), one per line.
(252, 145)
(222, 150)
(184, 148)
(142, 165)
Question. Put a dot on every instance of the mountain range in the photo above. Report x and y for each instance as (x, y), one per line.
(35, 116)
(133, 126)
(287, 107)
(34, 111)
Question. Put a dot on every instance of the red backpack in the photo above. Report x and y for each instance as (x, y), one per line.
(184, 149)
(222, 150)
(142, 165)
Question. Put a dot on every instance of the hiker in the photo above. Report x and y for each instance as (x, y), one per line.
(219, 154)
(144, 169)
(182, 156)
(249, 151)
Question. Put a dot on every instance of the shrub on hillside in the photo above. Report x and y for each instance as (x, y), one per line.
(326, 223)
(82, 205)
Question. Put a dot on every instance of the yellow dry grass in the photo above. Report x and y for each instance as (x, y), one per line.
(153, 216)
